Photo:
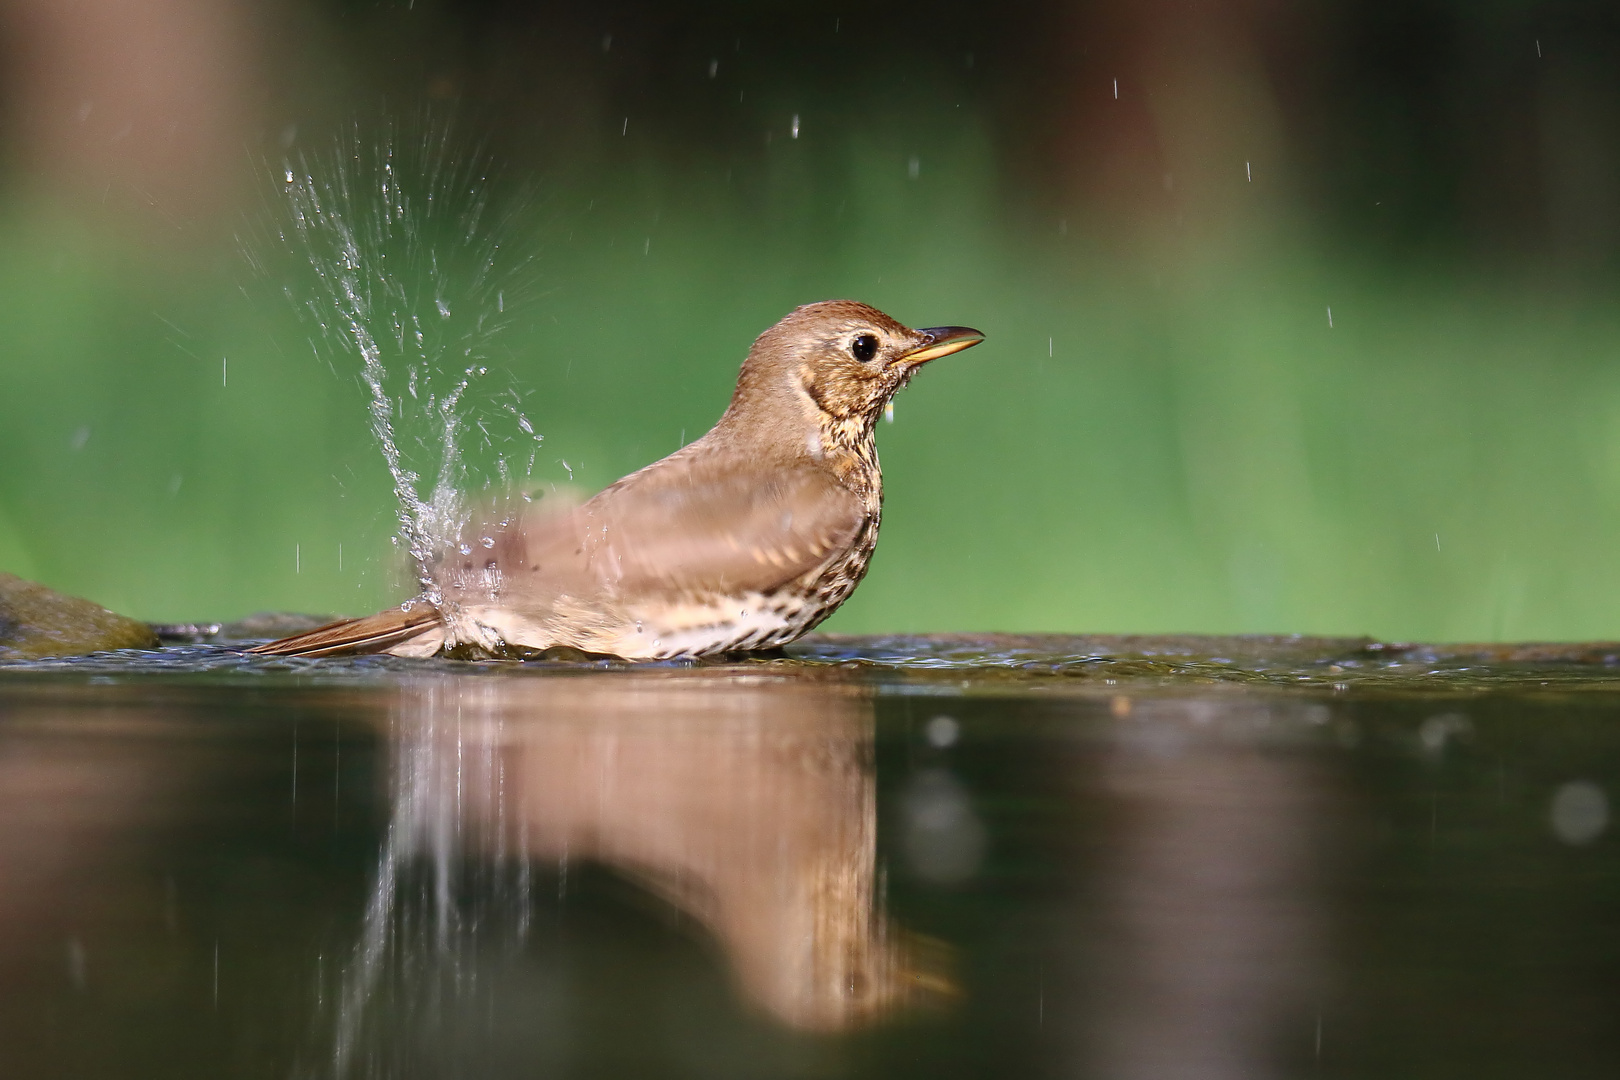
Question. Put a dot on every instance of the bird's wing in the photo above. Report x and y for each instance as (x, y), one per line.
(726, 530)
(680, 527)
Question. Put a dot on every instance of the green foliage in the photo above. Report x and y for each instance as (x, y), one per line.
(1152, 442)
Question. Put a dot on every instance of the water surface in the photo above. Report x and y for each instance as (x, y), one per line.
(876, 857)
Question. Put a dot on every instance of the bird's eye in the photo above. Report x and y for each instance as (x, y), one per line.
(864, 347)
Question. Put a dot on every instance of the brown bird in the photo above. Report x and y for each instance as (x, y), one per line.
(742, 540)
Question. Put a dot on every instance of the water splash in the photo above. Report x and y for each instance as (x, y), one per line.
(412, 278)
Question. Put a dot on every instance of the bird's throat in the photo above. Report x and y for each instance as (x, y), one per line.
(849, 446)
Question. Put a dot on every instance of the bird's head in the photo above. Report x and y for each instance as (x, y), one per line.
(844, 359)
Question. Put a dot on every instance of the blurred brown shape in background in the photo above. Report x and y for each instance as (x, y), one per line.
(120, 100)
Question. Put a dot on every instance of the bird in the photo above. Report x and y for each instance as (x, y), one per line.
(742, 540)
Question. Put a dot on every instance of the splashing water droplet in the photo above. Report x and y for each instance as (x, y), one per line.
(387, 229)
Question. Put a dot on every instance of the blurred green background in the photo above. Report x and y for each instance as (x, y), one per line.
(1301, 318)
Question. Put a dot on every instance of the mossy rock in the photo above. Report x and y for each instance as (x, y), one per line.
(37, 622)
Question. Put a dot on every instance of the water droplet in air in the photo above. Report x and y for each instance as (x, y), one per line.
(444, 309)
(914, 167)
(795, 126)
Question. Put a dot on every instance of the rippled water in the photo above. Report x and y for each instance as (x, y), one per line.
(874, 857)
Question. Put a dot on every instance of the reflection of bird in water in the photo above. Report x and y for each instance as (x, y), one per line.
(748, 804)
(745, 539)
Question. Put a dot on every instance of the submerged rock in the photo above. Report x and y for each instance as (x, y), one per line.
(37, 622)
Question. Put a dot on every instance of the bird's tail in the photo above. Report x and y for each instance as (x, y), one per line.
(377, 633)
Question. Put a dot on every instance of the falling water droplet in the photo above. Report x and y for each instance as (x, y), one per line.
(795, 126)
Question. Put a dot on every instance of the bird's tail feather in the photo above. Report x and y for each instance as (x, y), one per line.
(352, 637)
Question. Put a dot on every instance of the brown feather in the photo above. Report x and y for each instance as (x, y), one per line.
(684, 525)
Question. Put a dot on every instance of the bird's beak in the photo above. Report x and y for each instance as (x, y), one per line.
(942, 341)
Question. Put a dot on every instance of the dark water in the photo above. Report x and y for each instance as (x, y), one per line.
(886, 858)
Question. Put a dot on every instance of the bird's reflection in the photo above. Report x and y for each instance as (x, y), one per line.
(745, 802)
